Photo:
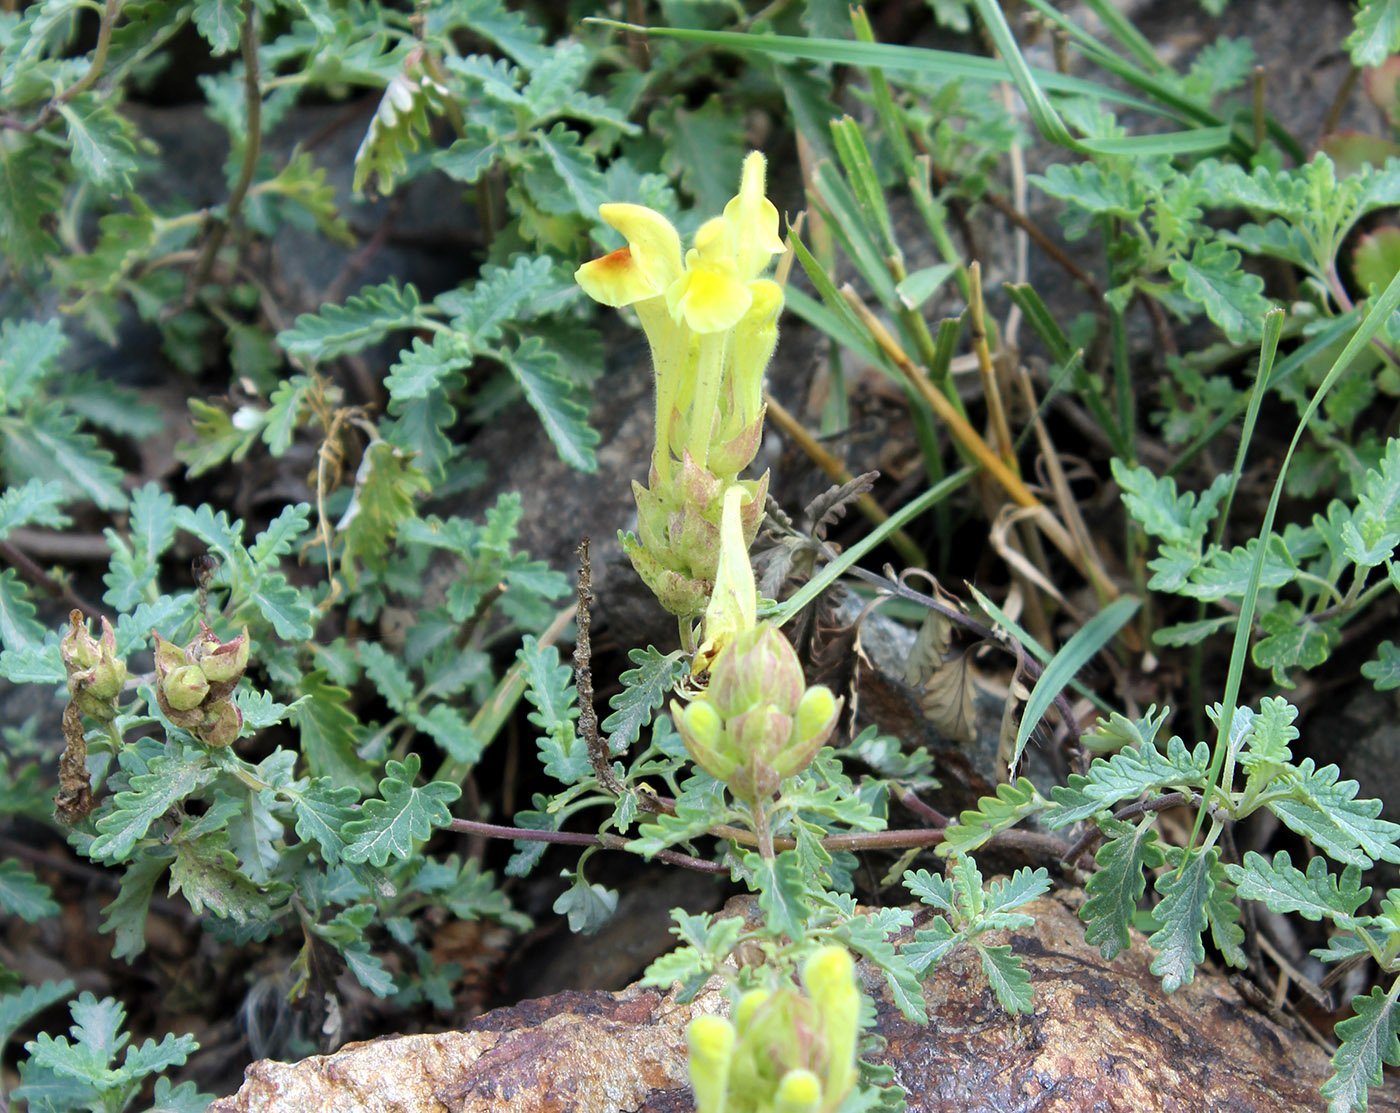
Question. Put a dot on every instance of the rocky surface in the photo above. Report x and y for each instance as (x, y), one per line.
(1103, 1037)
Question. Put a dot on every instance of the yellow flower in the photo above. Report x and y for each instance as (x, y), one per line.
(734, 602)
(643, 269)
(754, 221)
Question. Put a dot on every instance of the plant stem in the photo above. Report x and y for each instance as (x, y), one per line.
(252, 101)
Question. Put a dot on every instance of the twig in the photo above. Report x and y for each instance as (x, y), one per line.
(1339, 102)
(252, 99)
(36, 575)
(910, 799)
(1001, 430)
(110, 12)
(580, 838)
(1094, 836)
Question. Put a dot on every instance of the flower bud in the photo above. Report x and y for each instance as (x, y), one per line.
(222, 662)
(798, 1092)
(710, 1041)
(221, 726)
(760, 667)
(702, 732)
(169, 656)
(816, 714)
(95, 673)
(185, 687)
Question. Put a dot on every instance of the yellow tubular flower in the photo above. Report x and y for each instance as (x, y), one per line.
(754, 220)
(734, 602)
(649, 263)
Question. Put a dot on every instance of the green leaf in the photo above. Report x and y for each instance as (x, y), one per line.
(1008, 978)
(1223, 914)
(1093, 188)
(34, 502)
(450, 729)
(1376, 38)
(171, 778)
(327, 729)
(322, 811)
(994, 814)
(551, 691)
(405, 816)
(423, 367)
(783, 893)
(931, 945)
(386, 672)
(207, 873)
(1384, 672)
(644, 690)
(17, 1009)
(364, 319)
(1153, 502)
(556, 401)
(304, 184)
(282, 533)
(1225, 574)
(1063, 667)
(1232, 297)
(184, 1098)
(23, 895)
(46, 443)
(386, 485)
(1127, 775)
(500, 295)
(102, 149)
(399, 126)
(576, 168)
(588, 906)
(1313, 895)
(288, 399)
(369, 970)
(1368, 1039)
(219, 22)
(284, 606)
(471, 156)
(1321, 808)
(1293, 640)
(19, 629)
(1182, 914)
(705, 151)
(225, 538)
(1116, 887)
(29, 352)
(30, 197)
(125, 917)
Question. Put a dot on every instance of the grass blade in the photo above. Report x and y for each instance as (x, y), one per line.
(1065, 665)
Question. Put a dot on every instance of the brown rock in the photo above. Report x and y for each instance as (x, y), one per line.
(1103, 1037)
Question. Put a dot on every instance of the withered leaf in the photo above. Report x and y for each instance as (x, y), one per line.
(930, 649)
(949, 701)
(830, 506)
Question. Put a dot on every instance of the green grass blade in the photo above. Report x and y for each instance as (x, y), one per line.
(888, 57)
(1065, 665)
(788, 609)
(1129, 37)
(1380, 311)
(1041, 320)
(1047, 121)
(1268, 349)
(1283, 371)
(1038, 651)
